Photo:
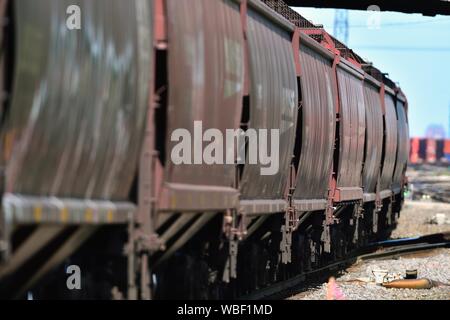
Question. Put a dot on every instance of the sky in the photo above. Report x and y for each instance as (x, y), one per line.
(413, 49)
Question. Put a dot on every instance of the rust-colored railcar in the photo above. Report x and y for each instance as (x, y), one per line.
(206, 82)
(374, 135)
(318, 114)
(390, 141)
(447, 150)
(402, 145)
(76, 120)
(414, 151)
(430, 150)
(352, 132)
(95, 118)
(273, 101)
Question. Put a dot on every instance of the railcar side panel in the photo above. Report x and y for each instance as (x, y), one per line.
(318, 125)
(352, 129)
(403, 146)
(374, 137)
(79, 104)
(4, 44)
(390, 143)
(273, 103)
(206, 75)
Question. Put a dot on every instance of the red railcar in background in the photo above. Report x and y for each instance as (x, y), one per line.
(447, 150)
(429, 151)
(414, 150)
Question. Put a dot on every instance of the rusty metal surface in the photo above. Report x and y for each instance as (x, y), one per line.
(390, 145)
(261, 207)
(6, 69)
(22, 210)
(374, 137)
(206, 76)
(273, 102)
(352, 129)
(195, 198)
(385, 194)
(348, 193)
(4, 21)
(268, 13)
(318, 125)
(77, 122)
(403, 145)
(310, 205)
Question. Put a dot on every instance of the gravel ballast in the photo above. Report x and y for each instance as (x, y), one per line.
(415, 217)
(433, 265)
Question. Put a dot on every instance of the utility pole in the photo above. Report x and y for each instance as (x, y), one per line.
(341, 25)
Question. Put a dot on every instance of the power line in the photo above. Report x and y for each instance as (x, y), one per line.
(403, 48)
(399, 24)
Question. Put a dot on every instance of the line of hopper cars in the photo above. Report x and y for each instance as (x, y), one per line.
(87, 177)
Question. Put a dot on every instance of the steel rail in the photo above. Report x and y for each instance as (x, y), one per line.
(390, 248)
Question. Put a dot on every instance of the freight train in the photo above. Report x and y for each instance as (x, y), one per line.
(88, 180)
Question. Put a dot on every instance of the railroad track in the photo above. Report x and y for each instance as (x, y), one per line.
(377, 250)
(440, 194)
